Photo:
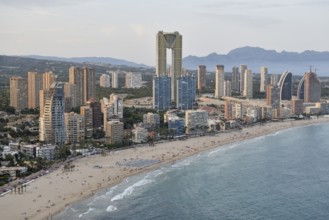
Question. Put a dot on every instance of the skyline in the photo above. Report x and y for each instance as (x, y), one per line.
(127, 30)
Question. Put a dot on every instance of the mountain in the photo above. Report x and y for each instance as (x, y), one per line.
(255, 57)
(19, 66)
(93, 60)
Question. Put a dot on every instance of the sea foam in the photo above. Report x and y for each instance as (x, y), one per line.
(111, 208)
(87, 212)
(128, 191)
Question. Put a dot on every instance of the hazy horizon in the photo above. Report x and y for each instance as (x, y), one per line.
(127, 29)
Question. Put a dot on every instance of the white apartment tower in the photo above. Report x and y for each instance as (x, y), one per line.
(111, 108)
(227, 88)
(114, 76)
(105, 81)
(219, 83)
(18, 92)
(133, 80)
(202, 71)
(235, 79)
(243, 68)
(48, 79)
(75, 127)
(248, 84)
(263, 78)
(34, 85)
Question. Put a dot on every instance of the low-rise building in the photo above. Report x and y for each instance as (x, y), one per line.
(312, 110)
(114, 132)
(196, 120)
(151, 119)
(44, 151)
(75, 127)
(296, 106)
(139, 134)
(176, 125)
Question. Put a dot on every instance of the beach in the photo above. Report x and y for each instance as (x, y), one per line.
(51, 193)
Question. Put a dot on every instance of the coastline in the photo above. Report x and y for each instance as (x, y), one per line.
(52, 193)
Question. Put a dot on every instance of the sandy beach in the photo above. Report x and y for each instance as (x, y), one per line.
(50, 194)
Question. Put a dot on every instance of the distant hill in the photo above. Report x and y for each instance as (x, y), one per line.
(94, 60)
(20, 65)
(255, 57)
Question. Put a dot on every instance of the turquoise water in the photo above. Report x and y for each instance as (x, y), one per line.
(280, 176)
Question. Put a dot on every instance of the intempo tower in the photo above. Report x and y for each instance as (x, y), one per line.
(171, 41)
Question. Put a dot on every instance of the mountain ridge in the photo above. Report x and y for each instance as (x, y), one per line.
(92, 59)
(255, 57)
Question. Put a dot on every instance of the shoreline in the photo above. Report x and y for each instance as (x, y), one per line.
(51, 194)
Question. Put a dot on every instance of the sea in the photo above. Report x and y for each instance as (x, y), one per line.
(284, 175)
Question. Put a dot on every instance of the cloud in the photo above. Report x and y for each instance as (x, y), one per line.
(43, 12)
(245, 5)
(139, 29)
(28, 4)
(108, 30)
(243, 19)
(257, 4)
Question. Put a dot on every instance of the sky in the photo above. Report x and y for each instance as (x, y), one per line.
(126, 29)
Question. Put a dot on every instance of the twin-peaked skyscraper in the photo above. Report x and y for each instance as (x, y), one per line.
(170, 87)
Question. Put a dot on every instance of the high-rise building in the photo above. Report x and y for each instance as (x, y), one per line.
(161, 92)
(87, 113)
(202, 71)
(117, 105)
(263, 78)
(114, 132)
(243, 68)
(248, 84)
(227, 88)
(108, 111)
(219, 83)
(34, 85)
(112, 108)
(171, 41)
(196, 119)
(285, 85)
(76, 78)
(300, 89)
(105, 81)
(18, 92)
(89, 84)
(273, 96)
(48, 79)
(70, 95)
(52, 122)
(114, 78)
(274, 80)
(233, 110)
(228, 106)
(296, 106)
(186, 92)
(84, 79)
(312, 88)
(235, 79)
(43, 94)
(75, 127)
(133, 80)
(97, 113)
